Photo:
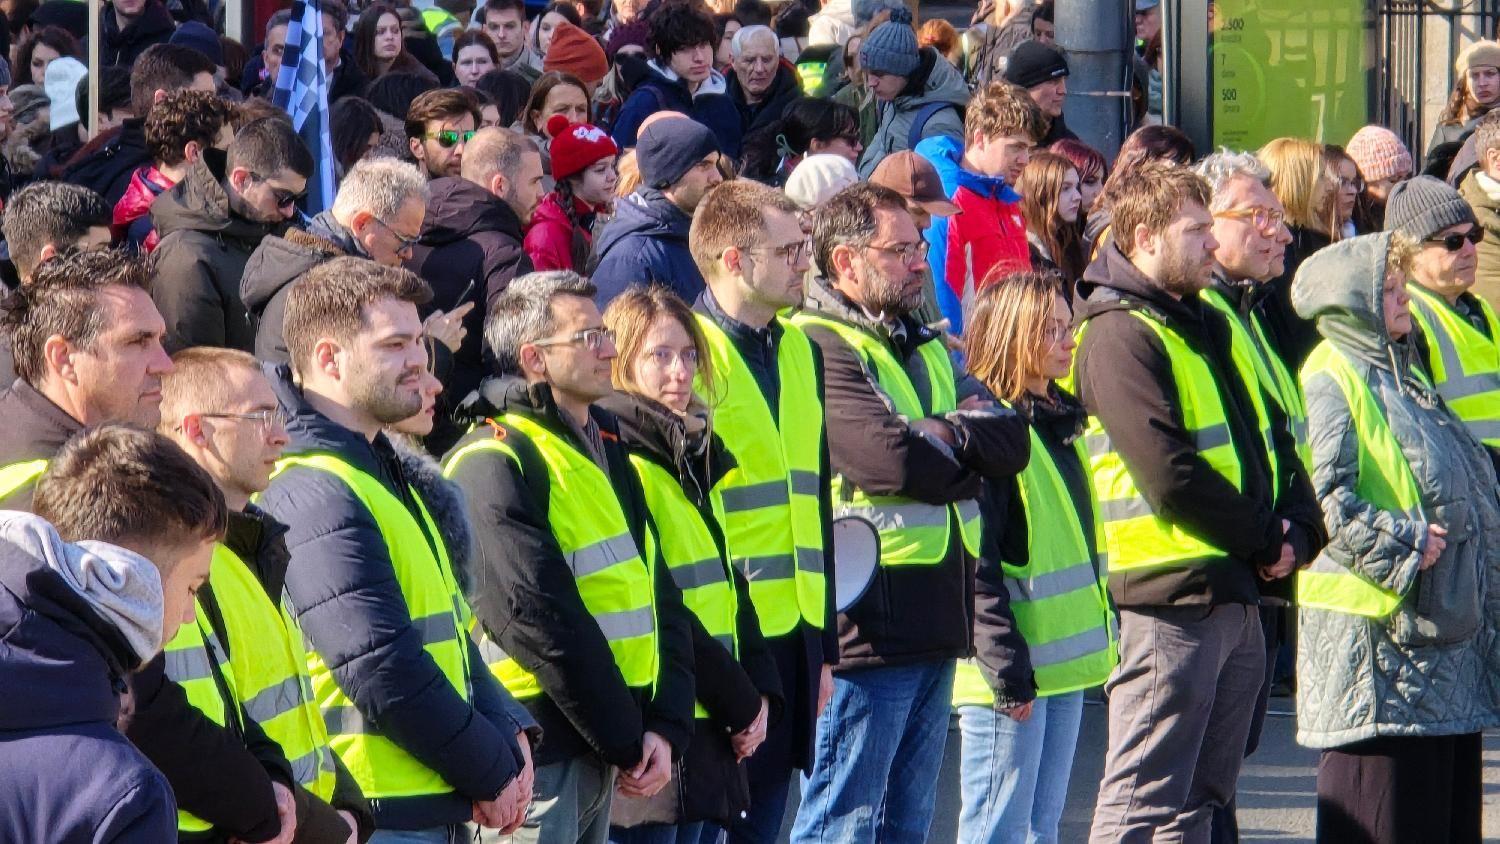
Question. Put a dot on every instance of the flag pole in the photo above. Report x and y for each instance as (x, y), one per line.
(96, 9)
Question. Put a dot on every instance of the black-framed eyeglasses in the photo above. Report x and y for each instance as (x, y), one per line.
(405, 244)
(791, 253)
(284, 198)
(450, 138)
(1454, 242)
(592, 339)
(269, 420)
(908, 252)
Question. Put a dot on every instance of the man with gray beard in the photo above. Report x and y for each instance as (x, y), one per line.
(1187, 496)
(429, 734)
(910, 438)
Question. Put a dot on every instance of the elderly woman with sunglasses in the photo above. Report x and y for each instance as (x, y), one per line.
(1459, 339)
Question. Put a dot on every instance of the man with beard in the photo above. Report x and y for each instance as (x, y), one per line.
(1252, 238)
(1187, 496)
(432, 739)
(911, 437)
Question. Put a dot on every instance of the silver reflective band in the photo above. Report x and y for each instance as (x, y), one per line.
(1090, 641)
(1121, 509)
(490, 652)
(727, 641)
(806, 483)
(755, 496)
(188, 664)
(773, 567)
(701, 573)
(305, 768)
(809, 560)
(1486, 431)
(1097, 445)
(905, 516)
(435, 628)
(1052, 584)
(626, 624)
(274, 700)
(1212, 437)
(345, 721)
(602, 554)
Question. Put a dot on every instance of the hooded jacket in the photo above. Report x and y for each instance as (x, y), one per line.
(131, 223)
(934, 81)
(1124, 377)
(340, 586)
(663, 90)
(713, 784)
(200, 260)
(472, 247)
(1487, 212)
(909, 613)
(552, 239)
(988, 231)
(1432, 667)
(34, 429)
(785, 87)
(105, 164)
(69, 774)
(833, 24)
(124, 46)
(272, 267)
(524, 594)
(646, 243)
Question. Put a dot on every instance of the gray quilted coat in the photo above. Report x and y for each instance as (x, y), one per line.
(1433, 666)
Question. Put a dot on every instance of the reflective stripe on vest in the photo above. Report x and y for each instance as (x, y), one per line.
(911, 532)
(269, 666)
(419, 562)
(1465, 364)
(195, 660)
(16, 476)
(1258, 363)
(770, 504)
(614, 578)
(1134, 537)
(692, 556)
(1060, 598)
(1384, 479)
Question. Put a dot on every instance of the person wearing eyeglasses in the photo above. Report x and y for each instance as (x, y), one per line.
(438, 126)
(219, 408)
(911, 436)
(212, 221)
(1459, 339)
(581, 620)
(1249, 226)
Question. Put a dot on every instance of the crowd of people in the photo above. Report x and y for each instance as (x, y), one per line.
(676, 401)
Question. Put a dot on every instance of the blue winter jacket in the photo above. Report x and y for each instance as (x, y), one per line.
(344, 594)
(66, 772)
(663, 90)
(646, 243)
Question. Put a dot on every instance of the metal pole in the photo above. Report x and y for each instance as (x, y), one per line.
(96, 8)
(234, 25)
(1098, 37)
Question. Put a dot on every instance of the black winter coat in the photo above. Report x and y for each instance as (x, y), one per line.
(34, 429)
(710, 783)
(1295, 337)
(471, 249)
(909, 613)
(273, 266)
(124, 46)
(784, 88)
(523, 591)
(105, 164)
(201, 258)
(341, 587)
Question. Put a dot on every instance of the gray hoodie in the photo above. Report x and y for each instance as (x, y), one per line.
(940, 83)
(1432, 667)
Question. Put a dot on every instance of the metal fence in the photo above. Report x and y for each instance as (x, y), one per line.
(1407, 68)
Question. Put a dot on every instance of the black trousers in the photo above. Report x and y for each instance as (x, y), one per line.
(1402, 789)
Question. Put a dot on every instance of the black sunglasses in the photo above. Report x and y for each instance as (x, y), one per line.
(284, 198)
(1455, 242)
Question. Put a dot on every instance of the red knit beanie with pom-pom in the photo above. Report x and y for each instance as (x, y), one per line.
(576, 146)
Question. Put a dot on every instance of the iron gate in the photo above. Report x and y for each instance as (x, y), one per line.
(1402, 34)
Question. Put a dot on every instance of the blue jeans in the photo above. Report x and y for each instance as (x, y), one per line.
(1015, 774)
(878, 754)
(436, 835)
(657, 833)
(762, 822)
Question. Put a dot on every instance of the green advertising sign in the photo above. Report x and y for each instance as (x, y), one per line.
(1289, 67)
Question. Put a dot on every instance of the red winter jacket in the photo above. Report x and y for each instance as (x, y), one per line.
(132, 219)
(550, 239)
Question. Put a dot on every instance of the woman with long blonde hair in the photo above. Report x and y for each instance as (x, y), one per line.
(1020, 700)
(667, 431)
(1307, 189)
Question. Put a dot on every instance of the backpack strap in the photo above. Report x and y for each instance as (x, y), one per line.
(919, 122)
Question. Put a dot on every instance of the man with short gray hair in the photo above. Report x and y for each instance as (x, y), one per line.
(582, 621)
(471, 246)
(761, 84)
(1249, 227)
(377, 215)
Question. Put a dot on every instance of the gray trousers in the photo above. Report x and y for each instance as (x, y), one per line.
(1180, 707)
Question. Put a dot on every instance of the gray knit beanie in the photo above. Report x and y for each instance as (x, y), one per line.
(892, 47)
(1424, 206)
